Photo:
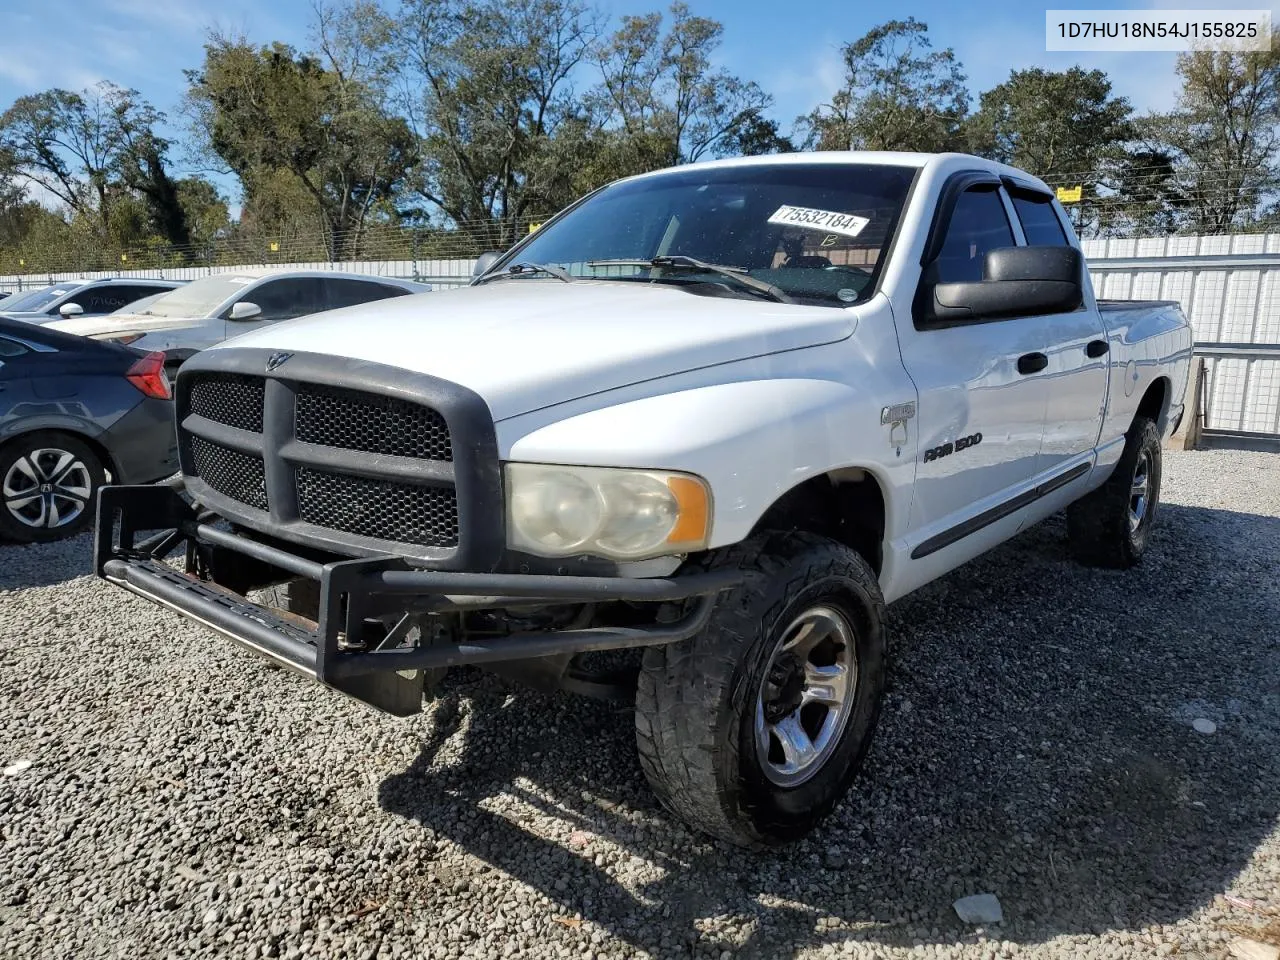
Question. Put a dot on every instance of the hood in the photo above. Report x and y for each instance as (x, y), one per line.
(118, 324)
(527, 344)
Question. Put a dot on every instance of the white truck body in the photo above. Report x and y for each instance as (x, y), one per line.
(717, 416)
(758, 397)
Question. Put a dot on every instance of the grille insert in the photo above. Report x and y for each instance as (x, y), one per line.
(382, 509)
(350, 420)
(232, 473)
(231, 399)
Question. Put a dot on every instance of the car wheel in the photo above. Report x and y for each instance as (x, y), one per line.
(754, 729)
(1110, 527)
(48, 487)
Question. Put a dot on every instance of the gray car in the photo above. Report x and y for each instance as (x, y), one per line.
(81, 298)
(73, 414)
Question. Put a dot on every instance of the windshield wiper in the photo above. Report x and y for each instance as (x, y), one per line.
(681, 262)
(524, 266)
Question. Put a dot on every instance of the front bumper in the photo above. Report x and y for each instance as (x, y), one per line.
(387, 674)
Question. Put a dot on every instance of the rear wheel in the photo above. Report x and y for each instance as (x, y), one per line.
(753, 730)
(1110, 526)
(48, 486)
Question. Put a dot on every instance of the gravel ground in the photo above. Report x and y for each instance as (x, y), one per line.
(186, 800)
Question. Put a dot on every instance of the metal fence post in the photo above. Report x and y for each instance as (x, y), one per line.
(1189, 431)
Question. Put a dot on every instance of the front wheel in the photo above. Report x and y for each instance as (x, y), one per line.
(48, 486)
(754, 729)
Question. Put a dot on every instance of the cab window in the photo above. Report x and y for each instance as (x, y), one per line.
(1039, 221)
(978, 225)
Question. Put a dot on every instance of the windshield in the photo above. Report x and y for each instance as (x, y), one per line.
(816, 231)
(197, 299)
(139, 306)
(36, 299)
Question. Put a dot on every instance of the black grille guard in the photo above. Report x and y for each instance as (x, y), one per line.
(389, 676)
(278, 451)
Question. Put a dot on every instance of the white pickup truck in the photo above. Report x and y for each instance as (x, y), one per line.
(681, 445)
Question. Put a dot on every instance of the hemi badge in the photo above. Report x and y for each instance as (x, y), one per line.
(898, 412)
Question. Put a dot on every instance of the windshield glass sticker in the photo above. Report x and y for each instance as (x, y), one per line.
(828, 221)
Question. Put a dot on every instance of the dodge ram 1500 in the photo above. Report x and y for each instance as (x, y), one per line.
(679, 446)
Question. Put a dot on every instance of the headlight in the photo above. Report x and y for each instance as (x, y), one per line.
(124, 338)
(556, 511)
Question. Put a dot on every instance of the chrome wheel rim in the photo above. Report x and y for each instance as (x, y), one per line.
(806, 696)
(47, 488)
(1140, 493)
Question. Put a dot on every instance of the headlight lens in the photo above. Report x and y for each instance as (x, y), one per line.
(125, 338)
(620, 514)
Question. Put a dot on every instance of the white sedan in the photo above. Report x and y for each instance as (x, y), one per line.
(216, 308)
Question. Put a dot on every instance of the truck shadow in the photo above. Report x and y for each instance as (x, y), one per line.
(1036, 744)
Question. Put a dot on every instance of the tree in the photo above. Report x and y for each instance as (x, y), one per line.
(898, 94)
(271, 109)
(143, 171)
(1224, 136)
(1057, 125)
(756, 137)
(204, 208)
(488, 85)
(91, 149)
(1146, 199)
(662, 93)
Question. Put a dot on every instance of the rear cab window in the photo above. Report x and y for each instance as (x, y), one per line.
(1039, 220)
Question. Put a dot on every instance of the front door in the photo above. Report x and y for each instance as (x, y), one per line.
(279, 299)
(981, 418)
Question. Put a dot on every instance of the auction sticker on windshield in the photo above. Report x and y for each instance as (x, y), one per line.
(826, 220)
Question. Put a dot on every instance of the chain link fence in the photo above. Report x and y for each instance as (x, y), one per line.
(419, 253)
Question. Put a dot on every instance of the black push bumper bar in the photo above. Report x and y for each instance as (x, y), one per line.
(386, 674)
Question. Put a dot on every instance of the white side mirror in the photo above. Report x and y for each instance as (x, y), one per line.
(244, 310)
(71, 309)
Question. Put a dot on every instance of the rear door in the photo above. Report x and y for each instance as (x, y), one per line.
(980, 416)
(31, 373)
(348, 291)
(1076, 347)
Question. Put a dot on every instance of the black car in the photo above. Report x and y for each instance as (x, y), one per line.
(74, 411)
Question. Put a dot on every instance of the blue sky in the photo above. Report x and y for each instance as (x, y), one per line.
(792, 49)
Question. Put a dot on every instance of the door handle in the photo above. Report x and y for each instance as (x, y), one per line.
(1032, 362)
(1096, 348)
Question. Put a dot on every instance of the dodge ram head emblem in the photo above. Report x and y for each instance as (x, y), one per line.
(276, 359)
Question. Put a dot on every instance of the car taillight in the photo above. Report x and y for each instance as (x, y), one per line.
(148, 376)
